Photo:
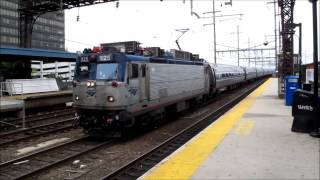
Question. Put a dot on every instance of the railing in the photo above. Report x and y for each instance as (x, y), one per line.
(8, 89)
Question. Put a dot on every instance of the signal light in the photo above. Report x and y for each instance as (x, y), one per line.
(96, 49)
(114, 84)
(92, 58)
(87, 50)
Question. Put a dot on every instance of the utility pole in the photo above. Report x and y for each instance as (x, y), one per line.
(249, 51)
(316, 124)
(275, 33)
(213, 23)
(238, 44)
(214, 32)
(300, 48)
(255, 59)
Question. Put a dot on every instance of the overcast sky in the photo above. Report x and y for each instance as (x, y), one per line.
(154, 23)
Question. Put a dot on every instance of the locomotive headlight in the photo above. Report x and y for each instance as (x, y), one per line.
(110, 99)
(76, 98)
(91, 84)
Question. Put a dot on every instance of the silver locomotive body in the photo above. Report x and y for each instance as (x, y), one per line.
(134, 88)
(114, 91)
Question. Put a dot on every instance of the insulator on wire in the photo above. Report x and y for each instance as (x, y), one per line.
(78, 16)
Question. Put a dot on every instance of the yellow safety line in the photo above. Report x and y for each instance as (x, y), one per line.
(186, 161)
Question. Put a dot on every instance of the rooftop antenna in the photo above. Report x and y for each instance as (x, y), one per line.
(78, 16)
(228, 3)
(183, 31)
(60, 12)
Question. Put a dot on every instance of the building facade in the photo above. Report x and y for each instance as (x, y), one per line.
(48, 30)
(61, 70)
(48, 33)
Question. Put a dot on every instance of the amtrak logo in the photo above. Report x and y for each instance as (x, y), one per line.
(133, 91)
(305, 107)
(91, 92)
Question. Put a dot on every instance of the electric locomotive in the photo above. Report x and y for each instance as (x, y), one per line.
(120, 85)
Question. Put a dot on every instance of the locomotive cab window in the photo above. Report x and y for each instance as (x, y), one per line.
(83, 71)
(134, 71)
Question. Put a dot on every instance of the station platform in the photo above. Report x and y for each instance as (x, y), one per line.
(10, 105)
(253, 140)
(43, 99)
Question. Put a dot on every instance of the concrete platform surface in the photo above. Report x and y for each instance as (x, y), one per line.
(10, 105)
(41, 95)
(45, 99)
(251, 141)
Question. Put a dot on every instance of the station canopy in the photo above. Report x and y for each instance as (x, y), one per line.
(13, 54)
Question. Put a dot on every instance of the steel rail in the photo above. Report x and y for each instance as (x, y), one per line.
(36, 162)
(14, 136)
(35, 118)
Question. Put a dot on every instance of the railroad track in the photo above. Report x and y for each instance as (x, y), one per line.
(142, 164)
(33, 120)
(29, 165)
(23, 134)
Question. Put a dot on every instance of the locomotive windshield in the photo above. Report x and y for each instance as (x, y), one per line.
(97, 71)
(107, 71)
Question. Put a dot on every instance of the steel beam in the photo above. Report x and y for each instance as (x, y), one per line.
(286, 66)
(30, 10)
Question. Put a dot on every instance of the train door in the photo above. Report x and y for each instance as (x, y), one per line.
(206, 79)
(211, 79)
(143, 82)
(133, 83)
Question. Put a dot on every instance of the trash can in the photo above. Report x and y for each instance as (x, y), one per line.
(290, 86)
(306, 87)
(303, 111)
